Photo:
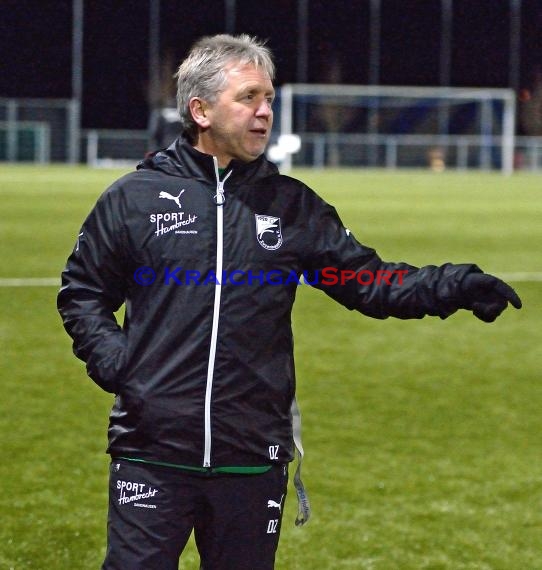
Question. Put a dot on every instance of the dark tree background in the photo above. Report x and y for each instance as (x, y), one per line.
(35, 41)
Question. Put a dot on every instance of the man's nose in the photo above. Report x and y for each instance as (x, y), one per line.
(264, 110)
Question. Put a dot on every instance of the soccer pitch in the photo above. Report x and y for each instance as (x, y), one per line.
(422, 437)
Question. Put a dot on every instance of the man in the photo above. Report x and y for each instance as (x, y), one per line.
(164, 126)
(204, 244)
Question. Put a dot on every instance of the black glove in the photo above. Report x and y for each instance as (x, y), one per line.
(487, 296)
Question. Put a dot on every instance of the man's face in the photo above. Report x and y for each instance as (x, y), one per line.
(240, 121)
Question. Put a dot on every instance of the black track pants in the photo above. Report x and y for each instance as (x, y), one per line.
(152, 511)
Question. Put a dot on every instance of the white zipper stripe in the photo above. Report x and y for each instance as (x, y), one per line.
(216, 310)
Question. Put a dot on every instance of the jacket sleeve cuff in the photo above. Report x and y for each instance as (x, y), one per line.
(449, 294)
(106, 363)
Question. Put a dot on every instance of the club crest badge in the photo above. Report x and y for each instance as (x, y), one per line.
(268, 231)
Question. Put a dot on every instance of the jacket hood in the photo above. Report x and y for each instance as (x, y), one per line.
(182, 159)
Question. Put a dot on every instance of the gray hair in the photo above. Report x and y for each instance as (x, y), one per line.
(203, 72)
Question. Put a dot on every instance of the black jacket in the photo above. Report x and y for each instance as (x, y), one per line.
(203, 372)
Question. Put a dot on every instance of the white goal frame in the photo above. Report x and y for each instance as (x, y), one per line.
(505, 138)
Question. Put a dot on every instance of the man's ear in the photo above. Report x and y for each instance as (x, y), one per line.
(198, 109)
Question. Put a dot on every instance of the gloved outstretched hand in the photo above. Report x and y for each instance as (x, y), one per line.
(487, 296)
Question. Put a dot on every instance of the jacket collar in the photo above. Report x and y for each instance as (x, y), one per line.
(182, 159)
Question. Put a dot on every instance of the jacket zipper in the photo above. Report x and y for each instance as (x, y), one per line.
(220, 199)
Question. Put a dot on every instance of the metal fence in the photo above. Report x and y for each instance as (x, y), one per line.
(25, 141)
(438, 152)
(46, 130)
(104, 148)
(42, 129)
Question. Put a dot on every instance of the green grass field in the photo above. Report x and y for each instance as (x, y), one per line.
(422, 437)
